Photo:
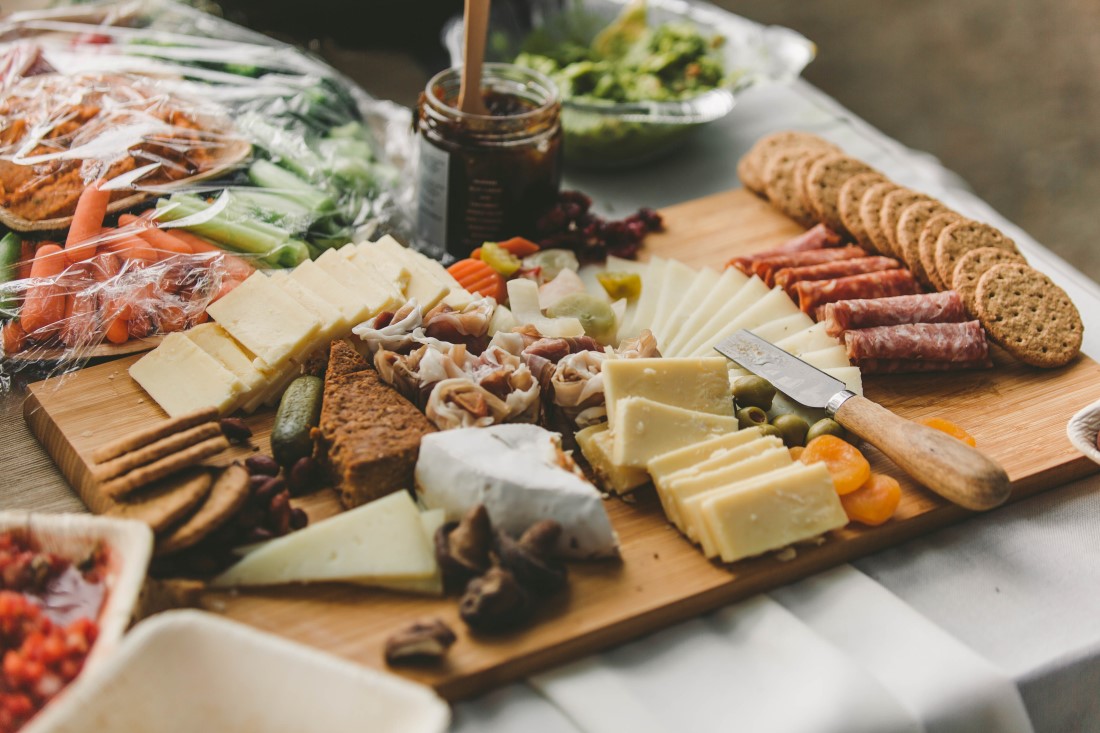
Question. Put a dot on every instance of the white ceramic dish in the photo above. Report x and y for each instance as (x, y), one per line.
(74, 537)
(1082, 430)
(186, 671)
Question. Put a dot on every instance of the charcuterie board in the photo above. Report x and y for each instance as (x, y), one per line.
(1017, 414)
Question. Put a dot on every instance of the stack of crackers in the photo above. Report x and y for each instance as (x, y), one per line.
(156, 475)
(812, 181)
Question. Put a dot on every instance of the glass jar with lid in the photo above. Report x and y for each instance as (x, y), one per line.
(487, 177)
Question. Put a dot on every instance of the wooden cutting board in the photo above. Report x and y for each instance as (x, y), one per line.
(1017, 414)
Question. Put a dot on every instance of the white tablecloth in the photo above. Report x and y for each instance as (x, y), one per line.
(992, 625)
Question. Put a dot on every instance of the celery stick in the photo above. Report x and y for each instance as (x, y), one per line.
(243, 235)
(267, 175)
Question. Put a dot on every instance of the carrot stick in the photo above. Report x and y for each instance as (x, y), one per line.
(91, 208)
(14, 338)
(238, 267)
(119, 331)
(26, 257)
(164, 243)
(131, 247)
(80, 322)
(44, 305)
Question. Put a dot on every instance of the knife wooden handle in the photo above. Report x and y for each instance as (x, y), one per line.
(944, 464)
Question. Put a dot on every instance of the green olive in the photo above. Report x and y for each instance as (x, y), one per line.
(753, 391)
(826, 426)
(792, 429)
(752, 416)
(594, 314)
(769, 429)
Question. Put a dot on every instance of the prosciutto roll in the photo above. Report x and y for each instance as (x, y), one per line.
(950, 342)
(812, 294)
(845, 315)
(788, 276)
(818, 237)
(766, 267)
(901, 366)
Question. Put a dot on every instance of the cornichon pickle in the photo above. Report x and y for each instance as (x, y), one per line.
(753, 391)
(299, 412)
(594, 314)
(792, 429)
(621, 284)
(751, 416)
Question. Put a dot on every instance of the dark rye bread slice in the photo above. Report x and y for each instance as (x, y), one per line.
(369, 435)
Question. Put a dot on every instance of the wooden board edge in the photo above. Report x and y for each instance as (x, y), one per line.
(60, 449)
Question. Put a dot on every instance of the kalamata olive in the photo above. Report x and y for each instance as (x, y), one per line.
(594, 314)
(753, 391)
(262, 465)
(748, 417)
(298, 518)
(826, 426)
(302, 476)
(792, 429)
(769, 429)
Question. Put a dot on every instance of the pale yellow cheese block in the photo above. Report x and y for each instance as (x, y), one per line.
(780, 328)
(182, 378)
(333, 322)
(352, 307)
(811, 338)
(674, 287)
(214, 340)
(265, 320)
(666, 464)
(693, 384)
(771, 307)
(425, 285)
(645, 429)
(595, 444)
(772, 511)
(389, 267)
(652, 276)
(689, 494)
(723, 291)
(833, 357)
(708, 333)
(375, 296)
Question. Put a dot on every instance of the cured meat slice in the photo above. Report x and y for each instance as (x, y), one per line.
(766, 267)
(953, 342)
(845, 315)
(818, 237)
(788, 276)
(812, 294)
(901, 366)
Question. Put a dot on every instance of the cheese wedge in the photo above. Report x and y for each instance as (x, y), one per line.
(645, 429)
(265, 320)
(676, 286)
(726, 287)
(689, 493)
(214, 340)
(708, 333)
(182, 378)
(774, 305)
(384, 539)
(693, 384)
(771, 511)
(689, 300)
(352, 307)
(431, 520)
(595, 444)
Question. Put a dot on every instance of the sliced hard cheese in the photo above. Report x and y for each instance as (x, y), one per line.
(727, 286)
(431, 520)
(645, 429)
(689, 493)
(502, 320)
(382, 539)
(213, 339)
(618, 264)
(850, 375)
(523, 297)
(675, 286)
(516, 471)
(333, 322)
(780, 328)
(808, 339)
(751, 292)
(425, 284)
(376, 295)
(834, 357)
(182, 378)
(689, 299)
(352, 306)
(669, 463)
(391, 269)
(693, 384)
(265, 320)
(595, 444)
(774, 305)
(772, 511)
(643, 314)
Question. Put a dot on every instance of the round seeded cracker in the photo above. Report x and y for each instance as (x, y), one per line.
(750, 169)
(869, 207)
(228, 494)
(910, 225)
(780, 186)
(1029, 316)
(848, 201)
(892, 206)
(959, 238)
(970, 268)
(823, 183)
(927, 246)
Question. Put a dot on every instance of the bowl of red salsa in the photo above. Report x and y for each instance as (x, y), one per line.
(68, 588)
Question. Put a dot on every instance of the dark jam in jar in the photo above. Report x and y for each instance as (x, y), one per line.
(487, 177)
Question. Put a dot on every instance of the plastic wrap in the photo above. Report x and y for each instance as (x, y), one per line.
(182, 122)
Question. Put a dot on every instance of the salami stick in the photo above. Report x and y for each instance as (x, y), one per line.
(845, 315)
(953, 342)
(812, 294)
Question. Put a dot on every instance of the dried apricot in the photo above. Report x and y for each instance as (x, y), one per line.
(874, 502)
(946, 426)
(796, 451)
(846, 464)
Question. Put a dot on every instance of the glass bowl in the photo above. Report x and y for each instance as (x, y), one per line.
(599, 134)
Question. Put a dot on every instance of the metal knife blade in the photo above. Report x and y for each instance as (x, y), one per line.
(788, 374)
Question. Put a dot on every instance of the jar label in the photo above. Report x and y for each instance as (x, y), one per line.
(431, 198)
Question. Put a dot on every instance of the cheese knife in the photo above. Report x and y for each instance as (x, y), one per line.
(943, 464)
